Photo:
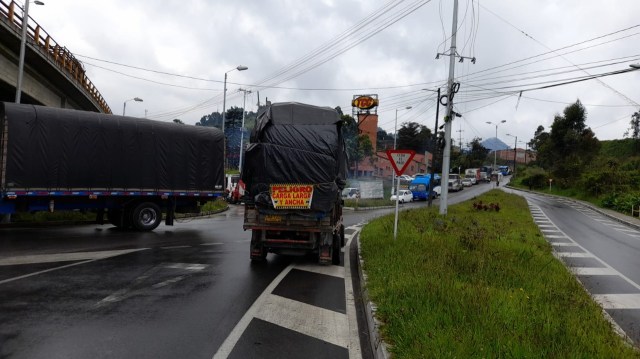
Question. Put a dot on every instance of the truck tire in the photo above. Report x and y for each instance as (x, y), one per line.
(146, 216)
(257, 252)
(335, 249)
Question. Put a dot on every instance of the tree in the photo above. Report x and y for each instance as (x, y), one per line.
(476, 155)
(569, 147)
(414, 136)
(634, 130)
(212, 120)
(178, 121)
(384, 140)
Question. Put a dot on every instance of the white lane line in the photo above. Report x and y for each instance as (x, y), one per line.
(556, 236)
(575, 255)
(618, 301)
(63, 267)
(63, 257)
(317, 322)
(227, 346)
(334, 271)
(545, 230)
(546, 225)
(593, 271)
(211, 244)
(563, 244)
(355, 352)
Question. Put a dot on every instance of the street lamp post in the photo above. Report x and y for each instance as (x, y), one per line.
(124, 105)
(244, 110)
(395, 136)
(515, 153)
(495, 152)
(23, 41)
(224, 108)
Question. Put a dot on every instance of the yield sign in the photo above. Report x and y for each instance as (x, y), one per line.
(400, 159)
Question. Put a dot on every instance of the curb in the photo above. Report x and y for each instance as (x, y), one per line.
(378, 346)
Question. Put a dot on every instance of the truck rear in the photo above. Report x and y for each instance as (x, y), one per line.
(294, 171)
(128, 168)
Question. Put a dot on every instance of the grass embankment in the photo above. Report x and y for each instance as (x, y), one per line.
(479, 283)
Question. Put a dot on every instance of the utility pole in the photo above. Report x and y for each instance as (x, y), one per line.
(244, 110)
(460, 131)
(446, 157)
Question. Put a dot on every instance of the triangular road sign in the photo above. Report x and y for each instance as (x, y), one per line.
(400, 159)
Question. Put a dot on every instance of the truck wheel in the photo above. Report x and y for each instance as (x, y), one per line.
(257, 250)
(146, 216)
(335, 246)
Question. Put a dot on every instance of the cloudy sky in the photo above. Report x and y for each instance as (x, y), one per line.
(174, 53)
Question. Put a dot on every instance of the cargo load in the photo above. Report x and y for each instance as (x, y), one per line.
(294, 170)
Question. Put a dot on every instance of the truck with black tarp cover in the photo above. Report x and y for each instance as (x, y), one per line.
(133, 169)
(294, 171)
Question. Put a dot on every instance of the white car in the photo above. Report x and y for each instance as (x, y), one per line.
(466, 182)
(405, 178)
(404, 196)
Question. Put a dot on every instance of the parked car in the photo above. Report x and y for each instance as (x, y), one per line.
(437, 190)
(404, 195)
(466, 182)
(473, 179)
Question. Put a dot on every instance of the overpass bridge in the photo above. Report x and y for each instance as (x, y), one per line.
(52, 75)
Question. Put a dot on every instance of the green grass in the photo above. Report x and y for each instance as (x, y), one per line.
(479, 284)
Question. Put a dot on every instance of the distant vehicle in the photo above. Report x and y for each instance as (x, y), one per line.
(420, 185)
(350, 193)
(484, 177)
(473, 173)
(471, 178)
(404, 195)
(466, 182)
(505, 170)
(405, 178)
(496, 176)
(455, 183)
(437, 190)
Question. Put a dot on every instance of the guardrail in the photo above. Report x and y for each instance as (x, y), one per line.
(58, 55)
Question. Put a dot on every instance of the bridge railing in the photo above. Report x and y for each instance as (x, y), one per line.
(58, 55)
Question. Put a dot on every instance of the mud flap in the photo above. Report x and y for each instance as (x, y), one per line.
(325, 248)
(257, 250)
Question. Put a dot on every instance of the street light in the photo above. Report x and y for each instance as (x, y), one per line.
(244, 103)
(495, 152)
(23, 40)
(124, 105)
(224, 108)
(635, 66)
(395, 136)
(515, 152)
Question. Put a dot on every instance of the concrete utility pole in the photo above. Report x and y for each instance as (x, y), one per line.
(244, 110)
(446, 157)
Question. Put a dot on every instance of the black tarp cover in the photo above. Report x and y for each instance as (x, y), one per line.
(297, 143)
(54, 148)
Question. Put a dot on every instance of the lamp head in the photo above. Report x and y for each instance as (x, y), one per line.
(138, 99)
(38, 2)
(241, 68)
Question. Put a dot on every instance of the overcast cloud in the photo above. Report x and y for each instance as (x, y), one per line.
(204, 39)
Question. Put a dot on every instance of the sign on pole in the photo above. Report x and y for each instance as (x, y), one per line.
(400, 159)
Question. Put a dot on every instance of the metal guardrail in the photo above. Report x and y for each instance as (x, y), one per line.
(58, 55)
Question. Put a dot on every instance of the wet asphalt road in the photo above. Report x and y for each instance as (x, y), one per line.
(179, 291)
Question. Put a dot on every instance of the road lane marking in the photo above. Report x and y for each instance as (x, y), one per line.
(618, 301)
(63, 257)
(563, 244)
(334, 271)
(227, 346)
(593, 271)
(69, 265)
(175, 247)
(574, 255)
(320, 323)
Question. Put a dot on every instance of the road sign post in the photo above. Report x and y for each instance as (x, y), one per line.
(400, 160)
